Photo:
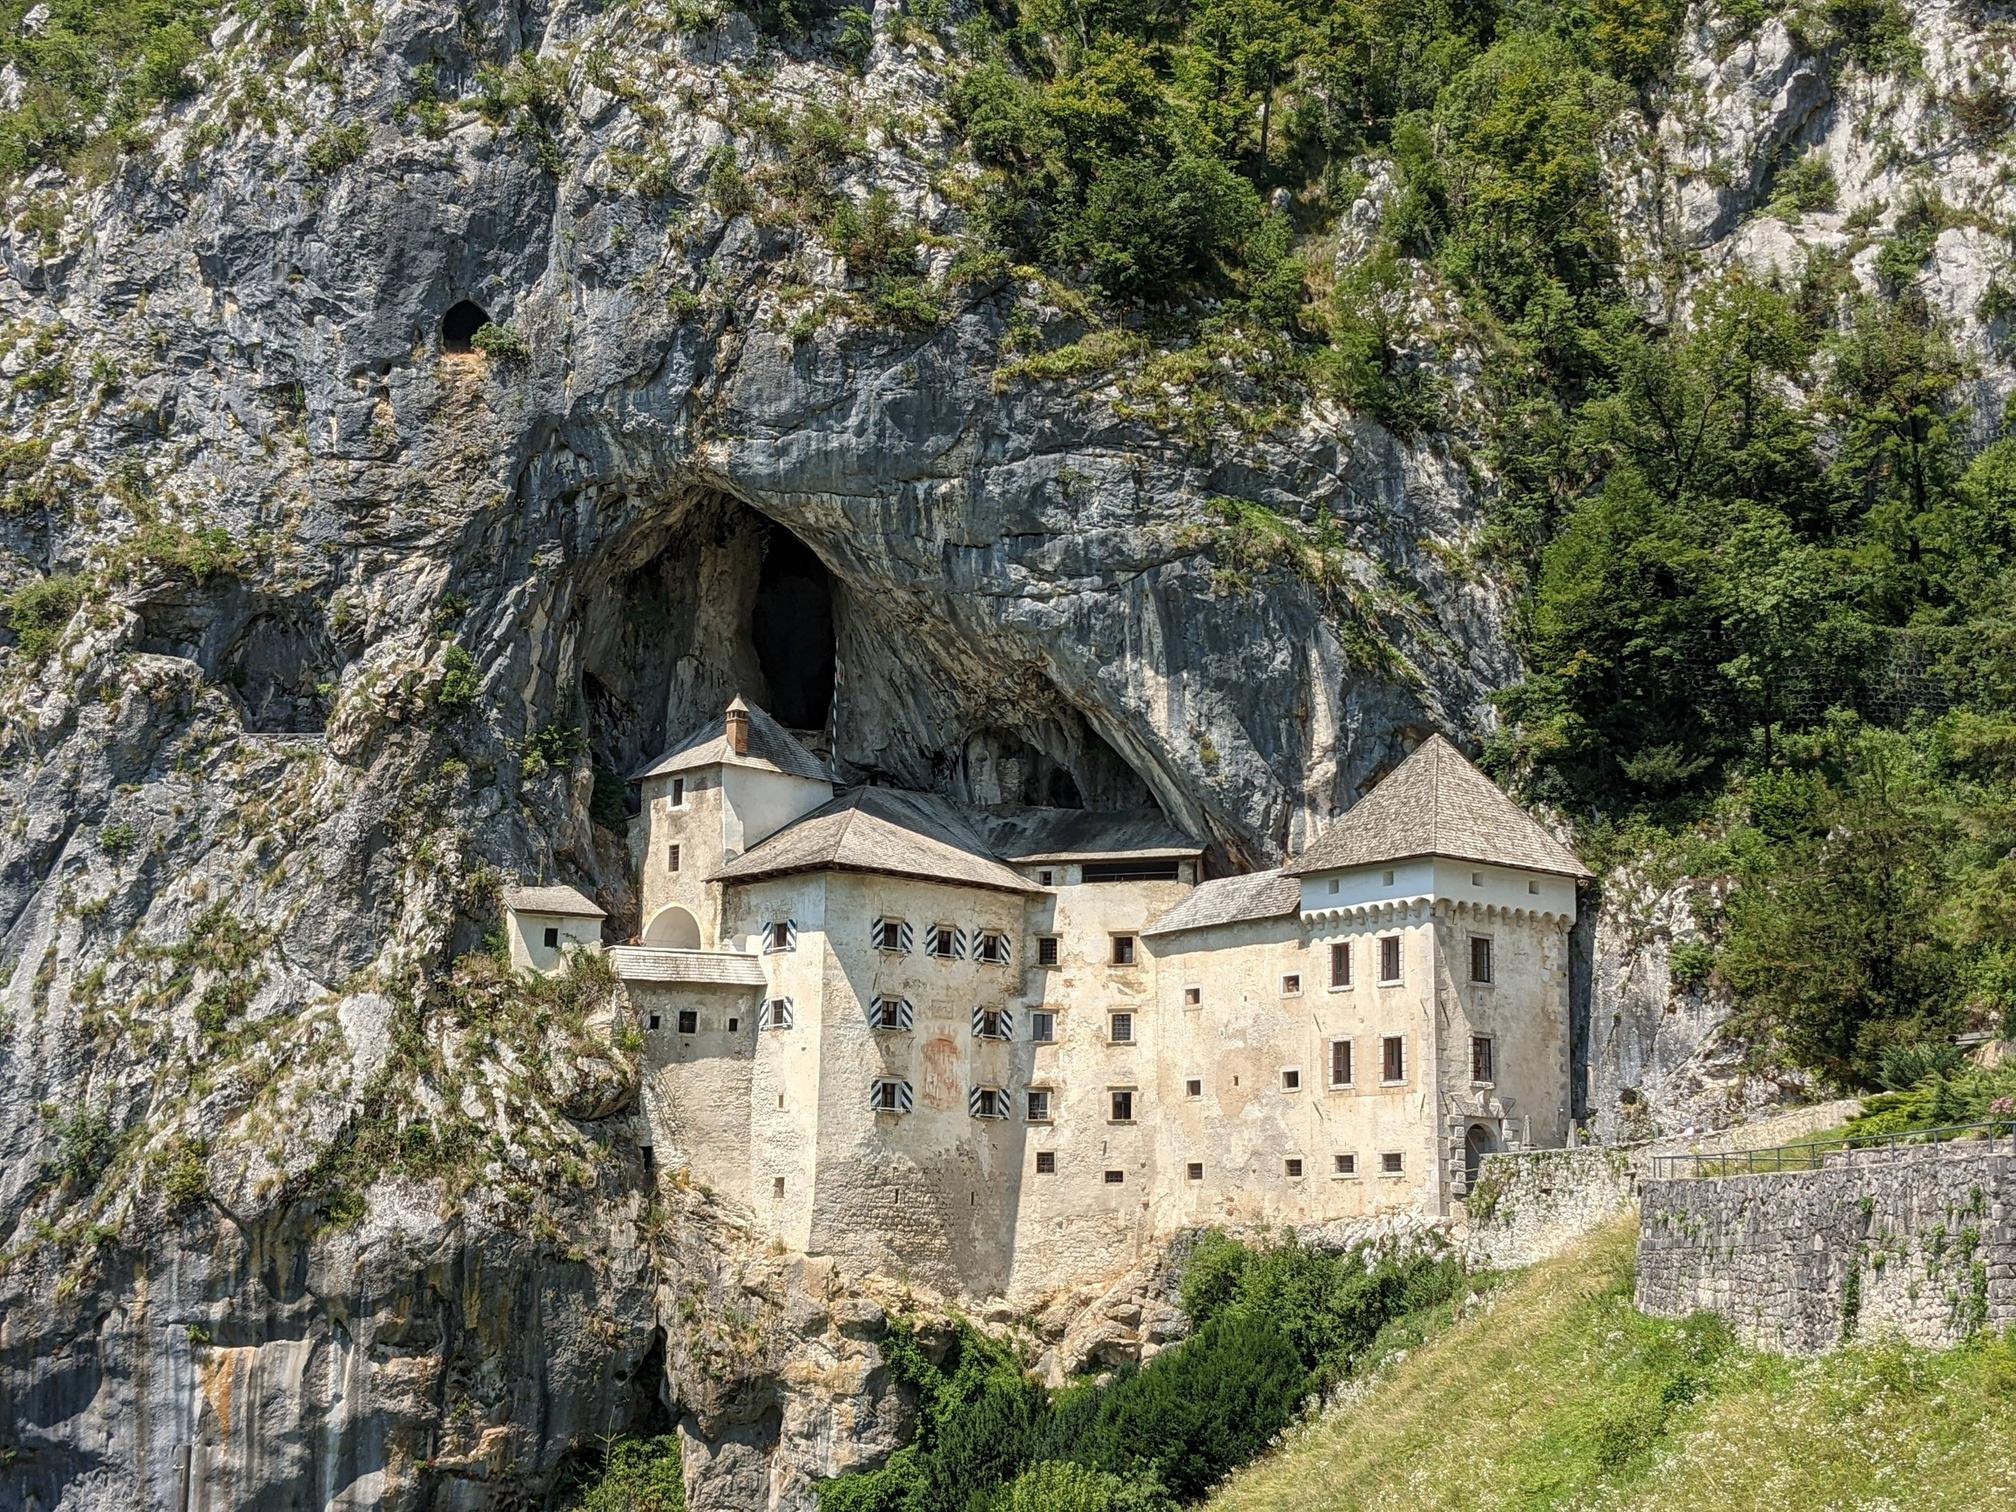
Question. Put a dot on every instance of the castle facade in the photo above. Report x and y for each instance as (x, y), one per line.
(1001, 1050)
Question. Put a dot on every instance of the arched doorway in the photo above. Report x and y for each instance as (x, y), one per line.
(1478, 1143)
(673, 928)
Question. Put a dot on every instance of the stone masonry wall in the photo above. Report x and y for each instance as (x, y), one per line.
(1922, 1245)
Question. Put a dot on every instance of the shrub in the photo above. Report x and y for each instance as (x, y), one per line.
(1062, 1486)
(38, 611)
(460, 682)
(86, 1147)
(502, 344)
(637, 1475)
(185, 1180)
(338, 147)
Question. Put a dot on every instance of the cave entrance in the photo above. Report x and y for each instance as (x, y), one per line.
(791, 631)
(460, 325)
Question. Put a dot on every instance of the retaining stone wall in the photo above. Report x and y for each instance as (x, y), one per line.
(1922, 1245)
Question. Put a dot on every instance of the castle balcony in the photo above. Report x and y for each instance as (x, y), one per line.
(706, 968)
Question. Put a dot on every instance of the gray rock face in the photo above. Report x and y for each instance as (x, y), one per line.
(253, 803)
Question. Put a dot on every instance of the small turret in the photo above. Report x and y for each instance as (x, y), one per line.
(737, 722)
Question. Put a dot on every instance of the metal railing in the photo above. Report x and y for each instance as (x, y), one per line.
(1813, 1155)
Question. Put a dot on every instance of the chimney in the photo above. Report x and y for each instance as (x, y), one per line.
(738, 727)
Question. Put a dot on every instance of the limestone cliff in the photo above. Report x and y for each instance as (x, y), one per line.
(348, 625)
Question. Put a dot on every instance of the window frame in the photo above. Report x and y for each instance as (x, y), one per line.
(1490, 960)
(1115, 1178)
(1046, 1162)
(1029, 1113)
(1115, 1017)
(688, 1021)
(1392, 944)
(981, 1099)
(1387, 1045)
(895, 1102)
(1344, 1165)
(776, 943)
(1193, 1170)
(772, 1019)
(1291, 1078)
(1340, 955)
(672, 859)
(888, 928)
(549, 937)
(947, 935)
(882, 1009)
(675, 796)
(1127, 943)
(1293, 1167)
(1052, 946)
(1113, 1096)
(993, 1024)
(1193, 997)
(1350, 1046)
(1488, 1044)
(985, 938)
(1392, 1163)
(1193, 1086)
(1291, 984)
(1044, 1019)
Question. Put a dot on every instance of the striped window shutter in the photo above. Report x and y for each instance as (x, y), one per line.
(1008, 1023)
(1001, 949)
(908, 937)
(958, 944)
(903, 1096)
(790, 934)
(985, 1102)
(880, 1090)
(979, 1019)
(906, 1014)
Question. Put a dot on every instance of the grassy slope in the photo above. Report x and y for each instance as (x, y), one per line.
(1557, 1394)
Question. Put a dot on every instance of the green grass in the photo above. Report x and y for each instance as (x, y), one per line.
(1556, 1393)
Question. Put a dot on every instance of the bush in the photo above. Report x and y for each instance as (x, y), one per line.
(1062, 1486)
(338, 147)
(502, 344)
(460, 681)
(38, 611)
(638, 1475)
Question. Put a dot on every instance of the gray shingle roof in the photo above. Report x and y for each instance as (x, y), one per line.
(713, 967)
(1054, 834)
(771, 747)
(1435, 803)
(1232, 900)
(880, 830)
(551, 900)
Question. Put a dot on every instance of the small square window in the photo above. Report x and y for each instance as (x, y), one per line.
(988, 1102)
(552, 938)
(990, 1023)
(942, 941)
(1122, 1104)
(991, 949)
(1387, 879)
(1046, 878)
(1344, 1165)
(1480, 958)
(1392, 1163)
(1476, 879)
(1293, 1166)
(892, 1014)
(781, 936)
(1046, 1162)
(1291, 984)
(678, 793)
(734, 1024)
(1195, 1170)
(1123, 950)
(1193, 997)
(1046, 950)
(672, 858)
(777, 1013)
(1389, 960)
(1114, 1178)
(1483, 1059)
(1038, 1106)
(1532, 886)
(1120, 1028)
(689, 1021)
(1291, 1081)
(1042, 1028)
(653, 1022)
(889, 935)
(1194, 1087)
(1334, 884)
(1393, 1058)
(889, 1097)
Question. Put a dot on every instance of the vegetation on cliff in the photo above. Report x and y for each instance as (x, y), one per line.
(1271, 1327)
(1557, 1393)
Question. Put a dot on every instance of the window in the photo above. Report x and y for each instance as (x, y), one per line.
(678, 793)
(1483, 1067)
(1386, 880)
(1122, 1104)
(1120, 1029)
(1042, 1028)
(672, 858)
(1046, 878)
(1193, 997)
(993, 1023)
(1131, 871)
(1343, 1165)
(1340, 1063)
(891, 1013)
(781, 935)
(1293, 1166)
(1046, 1162)
(1392, 1163)
(1532, 886)
(1393, 1064)
(987, 1102)
(1476, 879)
(1389, 959)
(1480, 958)
(1037, 1104)
(1114, 1178)
(1194, 1087)
(1291, 1080)
(553, 939)
(892, 935)
(734, 1024)
(1333, 884)
(777, 1186)
(992, 948)
(1340, 964)
(689, 1021)
(889, 1097)
(777, 1013)
(1195, 1170)
(1291, 984)
(1046, 950)
(944, 942)
(1123, 950)
(653, 1024)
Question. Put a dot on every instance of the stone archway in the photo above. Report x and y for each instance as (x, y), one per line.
(672, 928)
(1477, 1143)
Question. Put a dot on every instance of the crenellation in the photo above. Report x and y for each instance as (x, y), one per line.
(999, 1052)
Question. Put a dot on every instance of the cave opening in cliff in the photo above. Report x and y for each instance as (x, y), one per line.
(460, 325)
(791, 631)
